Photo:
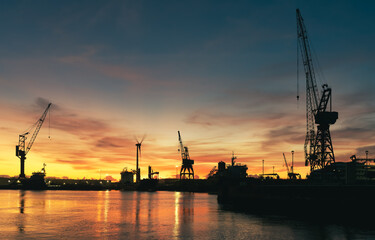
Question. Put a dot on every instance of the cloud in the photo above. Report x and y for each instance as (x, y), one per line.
(81, 141)
(210, 118)
(71, 122)
(42, 102)
(121, 71)
(361, 151)
(73, 161)
(353, 133)
(213, 118)
(112, 142)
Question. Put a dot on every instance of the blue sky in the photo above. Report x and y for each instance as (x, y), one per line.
(222, 72)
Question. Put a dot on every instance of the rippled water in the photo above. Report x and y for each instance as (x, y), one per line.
(147, 215)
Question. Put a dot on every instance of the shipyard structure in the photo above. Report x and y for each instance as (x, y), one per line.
(332, 189)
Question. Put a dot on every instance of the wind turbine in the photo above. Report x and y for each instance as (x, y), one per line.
(138, 146)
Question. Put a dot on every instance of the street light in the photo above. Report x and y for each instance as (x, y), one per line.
(292, 161)
(263, 166)
(176, 171)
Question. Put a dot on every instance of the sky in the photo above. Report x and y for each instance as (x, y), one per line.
(224, 73)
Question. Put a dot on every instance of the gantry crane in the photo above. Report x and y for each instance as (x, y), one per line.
(21, 149)
(318, 146)
(187, 163)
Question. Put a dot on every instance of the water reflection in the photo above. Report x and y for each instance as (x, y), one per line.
(176, 214)
(137, 210)
(150, 212)
(22, 200)
(187, 207)
(21, 225)
(144, 215)
(183, 214)
(103, 206)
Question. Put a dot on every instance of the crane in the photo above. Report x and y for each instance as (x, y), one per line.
(21, 149)
(187, 163)
(291, 174)
(318, 145)
(151, 173)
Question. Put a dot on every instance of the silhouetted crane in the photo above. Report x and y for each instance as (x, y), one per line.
(318, 146)
(187, 163)
(151, 173)
(21, 149)
(290, 171)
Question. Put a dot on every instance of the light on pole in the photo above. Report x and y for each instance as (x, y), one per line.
(292, 161)
(263, 166)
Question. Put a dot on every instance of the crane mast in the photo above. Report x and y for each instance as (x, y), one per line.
(21, 149)
(318, 145)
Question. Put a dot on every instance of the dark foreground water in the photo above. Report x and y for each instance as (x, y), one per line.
(144, 215)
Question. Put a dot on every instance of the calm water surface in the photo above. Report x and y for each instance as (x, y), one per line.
(144, 215)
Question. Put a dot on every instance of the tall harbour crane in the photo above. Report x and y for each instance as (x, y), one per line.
(21, 149)
(318, 145)
(187, 163)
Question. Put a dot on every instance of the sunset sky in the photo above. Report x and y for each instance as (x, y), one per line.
(221, 72)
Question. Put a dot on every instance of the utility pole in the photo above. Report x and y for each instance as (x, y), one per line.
(263, 166)
(292, 161)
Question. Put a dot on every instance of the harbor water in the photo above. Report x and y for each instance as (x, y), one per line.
(150, 215)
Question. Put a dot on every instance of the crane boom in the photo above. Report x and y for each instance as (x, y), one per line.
(37, 129)
(311, 85)
(184, 150)
(286, 164)
(312, 93)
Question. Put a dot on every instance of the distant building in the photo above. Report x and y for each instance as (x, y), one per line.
(127, 177)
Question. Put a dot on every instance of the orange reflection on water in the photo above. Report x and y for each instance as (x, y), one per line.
(102, 214)
(176, 216)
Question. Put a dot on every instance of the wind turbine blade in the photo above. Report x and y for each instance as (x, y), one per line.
(143, 138)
